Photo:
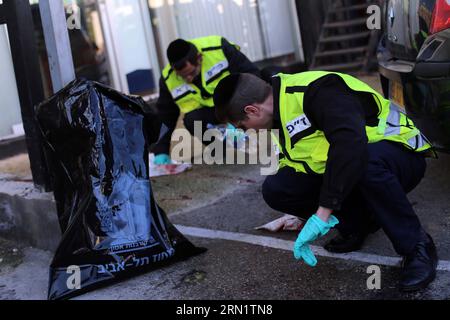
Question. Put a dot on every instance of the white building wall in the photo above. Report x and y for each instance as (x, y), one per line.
(235, 20)
(129, 39)
(279, 27)
(263, 28)
(9, 98)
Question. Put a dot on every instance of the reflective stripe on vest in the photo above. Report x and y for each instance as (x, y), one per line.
(416, 140)
(305, 148)
(215, 66)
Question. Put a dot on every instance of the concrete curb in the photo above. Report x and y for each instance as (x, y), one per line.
(27, 215)
(12, 147)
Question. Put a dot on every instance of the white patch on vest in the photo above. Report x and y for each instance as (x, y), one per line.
(297, 125)
(179, 91)
(216, 69)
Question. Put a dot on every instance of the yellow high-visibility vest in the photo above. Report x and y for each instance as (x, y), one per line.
(305, 148)
(214, 68)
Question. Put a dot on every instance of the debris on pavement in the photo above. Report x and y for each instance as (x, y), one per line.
(284, 223)
(159, 170)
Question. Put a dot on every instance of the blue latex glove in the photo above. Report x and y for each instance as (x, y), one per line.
(162, 159)
(235, 132)
(313, 229)
(236, 136)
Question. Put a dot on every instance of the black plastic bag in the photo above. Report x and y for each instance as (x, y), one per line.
(97, 142)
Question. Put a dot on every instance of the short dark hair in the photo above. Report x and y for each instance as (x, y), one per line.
(180, 52)
(237, 91)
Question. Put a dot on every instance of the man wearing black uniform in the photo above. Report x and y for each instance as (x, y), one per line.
(188, 82)
(345, 150)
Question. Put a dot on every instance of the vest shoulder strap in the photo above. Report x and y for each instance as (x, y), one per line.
(209, 43)
(167, 71)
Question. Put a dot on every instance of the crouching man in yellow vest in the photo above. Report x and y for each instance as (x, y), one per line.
(348, 157)
(187, 84)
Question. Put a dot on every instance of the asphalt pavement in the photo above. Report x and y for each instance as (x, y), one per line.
(243, 263)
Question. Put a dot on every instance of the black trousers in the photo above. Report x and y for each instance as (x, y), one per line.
(391, 173)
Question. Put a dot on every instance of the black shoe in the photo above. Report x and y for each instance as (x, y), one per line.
(347, 243)
(419, 268)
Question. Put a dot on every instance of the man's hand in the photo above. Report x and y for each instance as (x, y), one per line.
(313, 229)
(162, 159)
(235, 137)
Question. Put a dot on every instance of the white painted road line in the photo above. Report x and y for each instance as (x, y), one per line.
(288, 245)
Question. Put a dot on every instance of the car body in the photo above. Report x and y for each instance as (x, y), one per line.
(414, 64)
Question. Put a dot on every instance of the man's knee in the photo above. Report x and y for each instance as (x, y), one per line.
(271, 192)
(282, 197)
